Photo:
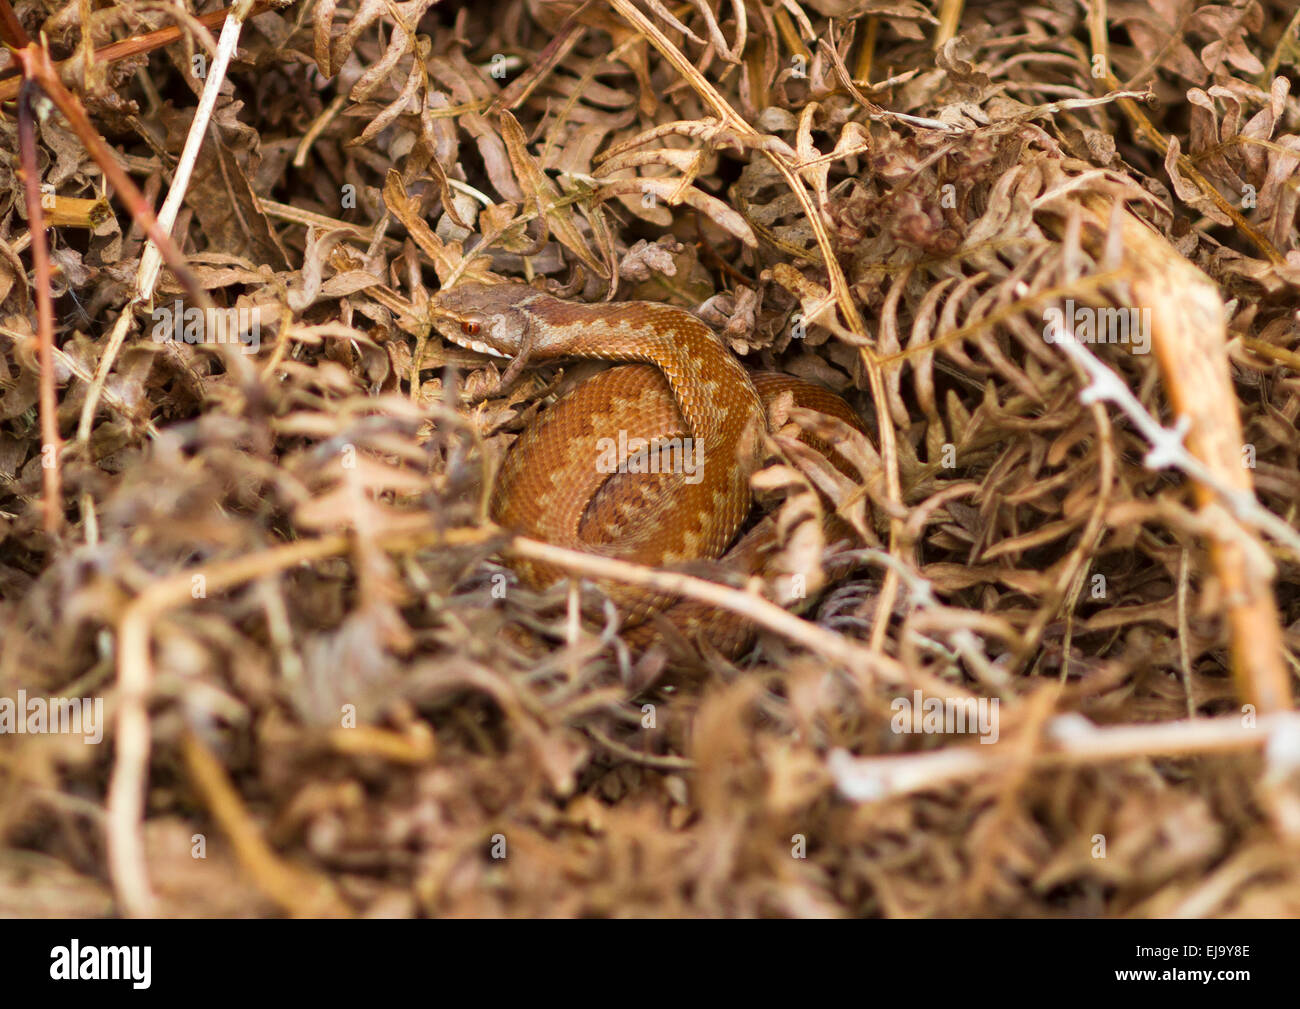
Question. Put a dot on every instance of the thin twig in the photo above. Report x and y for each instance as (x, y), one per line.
(35, 61)
(151, 261)
(1167, 448)
(834, 647)
(51, 478)
(1069, 740)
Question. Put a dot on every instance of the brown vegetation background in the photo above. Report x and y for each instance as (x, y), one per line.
(276, 570)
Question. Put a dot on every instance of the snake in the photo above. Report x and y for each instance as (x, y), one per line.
(649, 461)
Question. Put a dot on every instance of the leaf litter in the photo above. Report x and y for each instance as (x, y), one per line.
(273, 566)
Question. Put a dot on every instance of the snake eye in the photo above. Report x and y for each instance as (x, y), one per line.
(471, 327)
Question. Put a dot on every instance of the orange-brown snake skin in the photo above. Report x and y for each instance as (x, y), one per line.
(575, 478)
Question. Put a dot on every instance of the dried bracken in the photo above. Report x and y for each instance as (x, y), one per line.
(1050, 251)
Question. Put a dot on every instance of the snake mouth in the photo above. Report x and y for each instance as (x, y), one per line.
(477, 345)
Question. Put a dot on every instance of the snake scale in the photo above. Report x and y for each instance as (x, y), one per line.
(648, 462)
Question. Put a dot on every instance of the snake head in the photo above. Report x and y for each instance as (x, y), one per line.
(488, 318)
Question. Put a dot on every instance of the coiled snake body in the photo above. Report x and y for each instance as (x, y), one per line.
(648, 462)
